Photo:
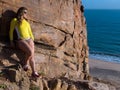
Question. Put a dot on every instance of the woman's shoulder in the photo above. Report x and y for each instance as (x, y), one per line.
(14, 20)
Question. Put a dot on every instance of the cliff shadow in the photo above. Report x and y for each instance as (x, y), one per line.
(5, 19)
(7, 54)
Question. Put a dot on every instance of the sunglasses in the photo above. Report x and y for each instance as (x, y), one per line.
(25, 12)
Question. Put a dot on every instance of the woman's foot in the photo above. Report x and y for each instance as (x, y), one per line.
(35, 75)
(25, 67)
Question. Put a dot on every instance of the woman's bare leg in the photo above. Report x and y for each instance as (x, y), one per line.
(25, 47)
(32, 61)
(28, 48)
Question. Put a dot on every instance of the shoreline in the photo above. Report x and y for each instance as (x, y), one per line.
(105, 71)
(104, 64)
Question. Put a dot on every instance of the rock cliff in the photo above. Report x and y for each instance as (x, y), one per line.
(60, 34)
(61, 50)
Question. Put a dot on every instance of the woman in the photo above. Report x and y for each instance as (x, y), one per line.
(25, 39)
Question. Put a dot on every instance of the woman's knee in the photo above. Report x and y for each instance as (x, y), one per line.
(30, 53)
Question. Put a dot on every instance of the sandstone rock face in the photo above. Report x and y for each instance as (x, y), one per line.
(60, 38)
(60, 34)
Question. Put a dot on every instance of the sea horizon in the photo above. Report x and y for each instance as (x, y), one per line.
(100, 9)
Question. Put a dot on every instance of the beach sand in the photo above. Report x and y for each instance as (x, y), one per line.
(107, 72)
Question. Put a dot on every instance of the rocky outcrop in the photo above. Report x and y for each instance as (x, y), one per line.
(60, 35)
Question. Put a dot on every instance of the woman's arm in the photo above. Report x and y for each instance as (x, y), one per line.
(12, 27)
(30, 32)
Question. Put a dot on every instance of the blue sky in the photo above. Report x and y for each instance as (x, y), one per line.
(101, 4)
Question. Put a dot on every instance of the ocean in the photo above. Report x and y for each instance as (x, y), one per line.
(103, 30)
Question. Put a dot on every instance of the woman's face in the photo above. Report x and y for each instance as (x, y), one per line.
(25, 14)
